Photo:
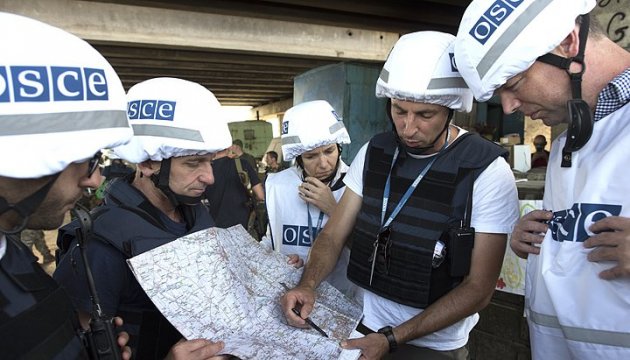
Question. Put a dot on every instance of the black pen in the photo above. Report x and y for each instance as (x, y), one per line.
(308, 320)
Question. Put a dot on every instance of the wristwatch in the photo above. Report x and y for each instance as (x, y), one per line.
(387, 331)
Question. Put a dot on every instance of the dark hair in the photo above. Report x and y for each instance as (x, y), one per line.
(273, 154)
(595, 29)
(238, 142)
(300, 162)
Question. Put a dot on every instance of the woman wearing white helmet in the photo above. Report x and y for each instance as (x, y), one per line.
(414, 198)
(60, 103)
(300, 199)
(177, 128)
(546, 60)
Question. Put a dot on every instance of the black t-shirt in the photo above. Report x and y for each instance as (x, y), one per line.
(227, 197)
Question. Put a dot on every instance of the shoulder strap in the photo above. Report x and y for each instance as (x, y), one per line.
(242, 174)
(468, 210)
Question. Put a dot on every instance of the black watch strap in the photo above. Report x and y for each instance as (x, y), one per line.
(387, 331)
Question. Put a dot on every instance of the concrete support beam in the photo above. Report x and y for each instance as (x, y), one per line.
(118, 23)
(278, 107)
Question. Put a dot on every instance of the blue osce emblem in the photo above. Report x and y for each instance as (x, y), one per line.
(572, 224)
(57, 83)
(492, 19)
(296, 235)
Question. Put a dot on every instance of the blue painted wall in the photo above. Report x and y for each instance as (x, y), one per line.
(349, 88)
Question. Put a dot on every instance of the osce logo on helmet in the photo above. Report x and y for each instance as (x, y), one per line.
(453, 64)
(57, 83)
(492, 19)
(151, 110)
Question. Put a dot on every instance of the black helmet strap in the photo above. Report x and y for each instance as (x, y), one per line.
(580, 115)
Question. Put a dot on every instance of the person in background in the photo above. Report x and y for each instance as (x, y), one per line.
(237, 152)
(540, 158)
(117, 169)
(301, 198)
(417, 198)
(178, 128)
(548, 60)
(50, 139)
(273, 166)
(37, 237)
(233, 196)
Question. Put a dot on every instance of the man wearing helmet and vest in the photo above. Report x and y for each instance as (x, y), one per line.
(300, 199)
(545, 60)
(417, 199)
(177, 130)
(60, 103)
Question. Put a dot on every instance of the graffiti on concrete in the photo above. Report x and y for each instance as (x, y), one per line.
(614, 16)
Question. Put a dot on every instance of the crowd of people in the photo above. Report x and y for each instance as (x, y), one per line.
(414, 229)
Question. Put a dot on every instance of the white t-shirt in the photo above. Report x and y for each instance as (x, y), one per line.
(495, 210)
(3, 245)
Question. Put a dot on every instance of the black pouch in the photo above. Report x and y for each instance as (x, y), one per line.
(461, 241)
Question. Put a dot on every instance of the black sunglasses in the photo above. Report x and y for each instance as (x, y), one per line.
(95, 161)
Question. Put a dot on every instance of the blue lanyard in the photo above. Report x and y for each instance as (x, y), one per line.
(409, 191)
(313, 234)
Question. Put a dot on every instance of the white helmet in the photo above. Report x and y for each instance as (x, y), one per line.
(420, 68)
(60, 100)
(500, 39)
(171, 118)
(310, 125)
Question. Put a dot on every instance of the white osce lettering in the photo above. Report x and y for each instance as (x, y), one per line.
(61, 85)
(33, 84)
(484, 26)
(588, 221)
(165, 110)
(96, 79)
(290, 235)
(148, 105)
(4, 86)
(498, 12)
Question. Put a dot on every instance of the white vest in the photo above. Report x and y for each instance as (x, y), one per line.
(572, 313)
(288, 221)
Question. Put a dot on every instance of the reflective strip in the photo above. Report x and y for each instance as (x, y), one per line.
(291, 140)
(336, 127)
(592, 336)
(288, 140)
(29, 124)
(384, 75)
(447, 83)
(498, 48)
(167, 132)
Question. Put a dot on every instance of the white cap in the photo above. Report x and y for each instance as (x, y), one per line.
(499, 39)
(420, 68)
(310, 125)
(60, 100)
(171, 118)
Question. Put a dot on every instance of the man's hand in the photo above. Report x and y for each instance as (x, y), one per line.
(611, 242)
(373, 346)
(122, 340)
(529, 232)
(295, 261)
(317, 193)
(198, 349)
(302, 298)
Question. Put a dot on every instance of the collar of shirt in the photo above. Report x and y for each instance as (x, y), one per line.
(615, 95)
